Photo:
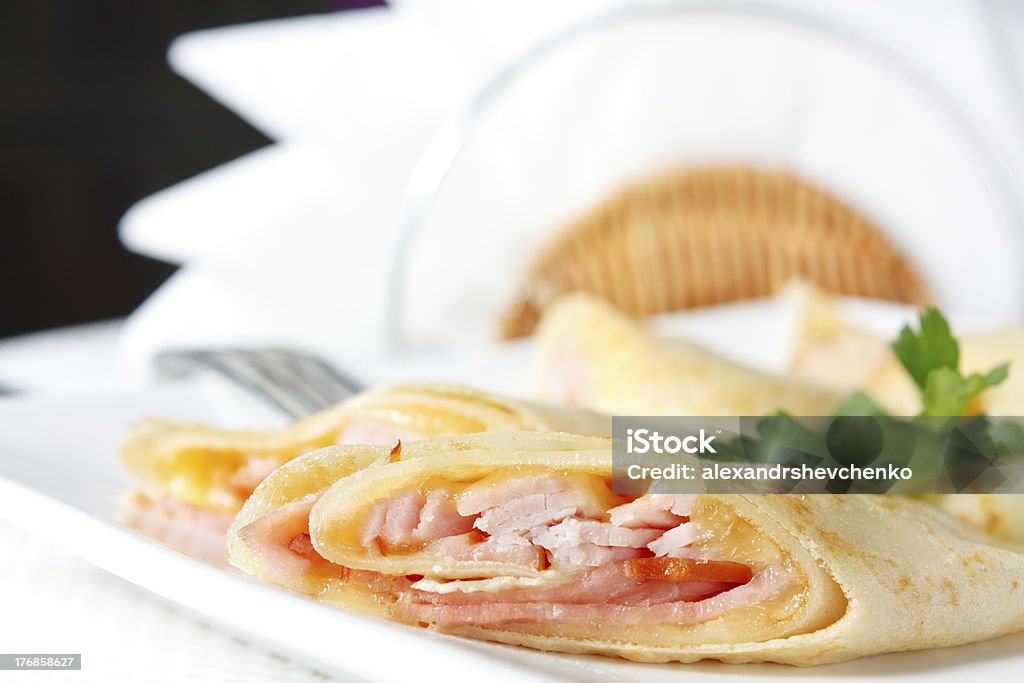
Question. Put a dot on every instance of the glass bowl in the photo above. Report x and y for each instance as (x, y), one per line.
(648, 88)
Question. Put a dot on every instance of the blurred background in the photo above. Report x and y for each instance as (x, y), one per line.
(91, 121)
(374, 182)
(230, 173)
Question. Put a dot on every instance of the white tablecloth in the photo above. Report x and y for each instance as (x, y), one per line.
(53, 602)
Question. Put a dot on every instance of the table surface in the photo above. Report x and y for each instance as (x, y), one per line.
(53, 602)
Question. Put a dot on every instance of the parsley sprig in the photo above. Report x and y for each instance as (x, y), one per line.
(957, 448)
(931, 356)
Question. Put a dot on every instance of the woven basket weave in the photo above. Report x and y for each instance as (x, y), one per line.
(704, 236)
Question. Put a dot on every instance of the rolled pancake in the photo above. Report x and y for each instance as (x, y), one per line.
(517, 538)
(832, 352)
(203, 473)
(592, 355)
(997, 514)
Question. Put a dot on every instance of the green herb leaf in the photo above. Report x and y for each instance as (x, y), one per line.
(946, 392)
(933, 348)
(997, 375)
(859, 403)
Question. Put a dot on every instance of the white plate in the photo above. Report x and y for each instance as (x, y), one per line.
(58, 478)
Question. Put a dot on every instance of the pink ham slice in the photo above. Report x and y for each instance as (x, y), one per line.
(252, 473)
(526, 520)
(644, 602)
(440, 518)
(674, 542)
(481, 496)
(401, 518)
(521, 504)
(190, 515)
(529, 512)
(409, 518)
(546, 511)
(659, 511)
(191, 530)
(271, 537)
(566, 379)
(608, 583)
(591, 543)
(281, 541)
(470, 547)
(573, 531)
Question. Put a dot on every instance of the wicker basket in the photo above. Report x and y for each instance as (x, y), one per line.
(704, 236)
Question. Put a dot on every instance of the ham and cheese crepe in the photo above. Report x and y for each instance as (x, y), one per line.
(832, 352)
(591, 354)
(202, 475)
(518, 538)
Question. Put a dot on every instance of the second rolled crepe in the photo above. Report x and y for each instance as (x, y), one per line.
(835, 353)
(204, 474)
(518, 538)
(830, 351)
(591, 354)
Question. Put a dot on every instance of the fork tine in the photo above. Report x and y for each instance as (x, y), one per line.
(282, 386)
(288, 366)
(328, 381)
(295, 382)
(316, 378)
(240, 368)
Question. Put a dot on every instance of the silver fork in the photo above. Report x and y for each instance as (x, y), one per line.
(297, 382)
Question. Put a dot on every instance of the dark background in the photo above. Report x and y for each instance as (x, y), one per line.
(91, 120)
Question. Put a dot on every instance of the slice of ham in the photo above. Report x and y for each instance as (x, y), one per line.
(565, 378)
(409, 519)
(596, 566)
(474, 547)
(281, 540)
(188, 514)
(196, 532)
(518, 505)
(440, 518)
(401, 518)
(271, 536)
(302, 545)
(674, 542)
(373, 525)
(252, 473)
(495, 493)
(608, 584)
(571, 531)
(647, 603)
(521, 515)
(658, 511)
(554, 514)
(591, 543)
